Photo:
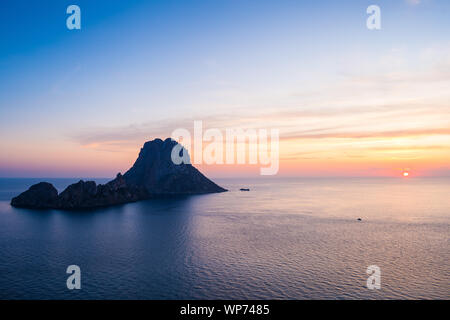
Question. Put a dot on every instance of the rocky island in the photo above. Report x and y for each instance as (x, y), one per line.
(152, 175)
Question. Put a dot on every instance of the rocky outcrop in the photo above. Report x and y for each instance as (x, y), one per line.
(152, 175)
(157, 174)
(40, 196)
(87, 194)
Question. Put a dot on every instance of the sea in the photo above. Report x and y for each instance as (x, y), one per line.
(286, 238)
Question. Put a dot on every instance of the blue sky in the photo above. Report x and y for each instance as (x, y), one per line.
(139, 69)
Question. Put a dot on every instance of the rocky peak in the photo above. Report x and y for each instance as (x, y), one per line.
(153, 174)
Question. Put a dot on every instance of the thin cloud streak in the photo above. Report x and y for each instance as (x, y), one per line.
(375, 135)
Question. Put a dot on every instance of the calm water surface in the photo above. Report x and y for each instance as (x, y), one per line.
(285, 239)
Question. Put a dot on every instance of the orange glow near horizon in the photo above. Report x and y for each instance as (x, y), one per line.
(331, 155)
(297, 158)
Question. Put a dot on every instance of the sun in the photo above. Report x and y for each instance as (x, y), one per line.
(405, 174)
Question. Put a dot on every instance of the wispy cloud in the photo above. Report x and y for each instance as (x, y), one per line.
(367, 134)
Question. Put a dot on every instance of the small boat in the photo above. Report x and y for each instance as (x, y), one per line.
(244, 189)
(359, 219)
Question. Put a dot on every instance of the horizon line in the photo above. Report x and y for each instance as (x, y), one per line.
(258, 177)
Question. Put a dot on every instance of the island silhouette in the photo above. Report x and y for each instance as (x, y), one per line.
(153, 175)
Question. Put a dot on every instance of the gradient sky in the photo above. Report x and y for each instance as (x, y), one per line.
(348, 101)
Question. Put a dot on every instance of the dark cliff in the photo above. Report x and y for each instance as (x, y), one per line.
(152, 175)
